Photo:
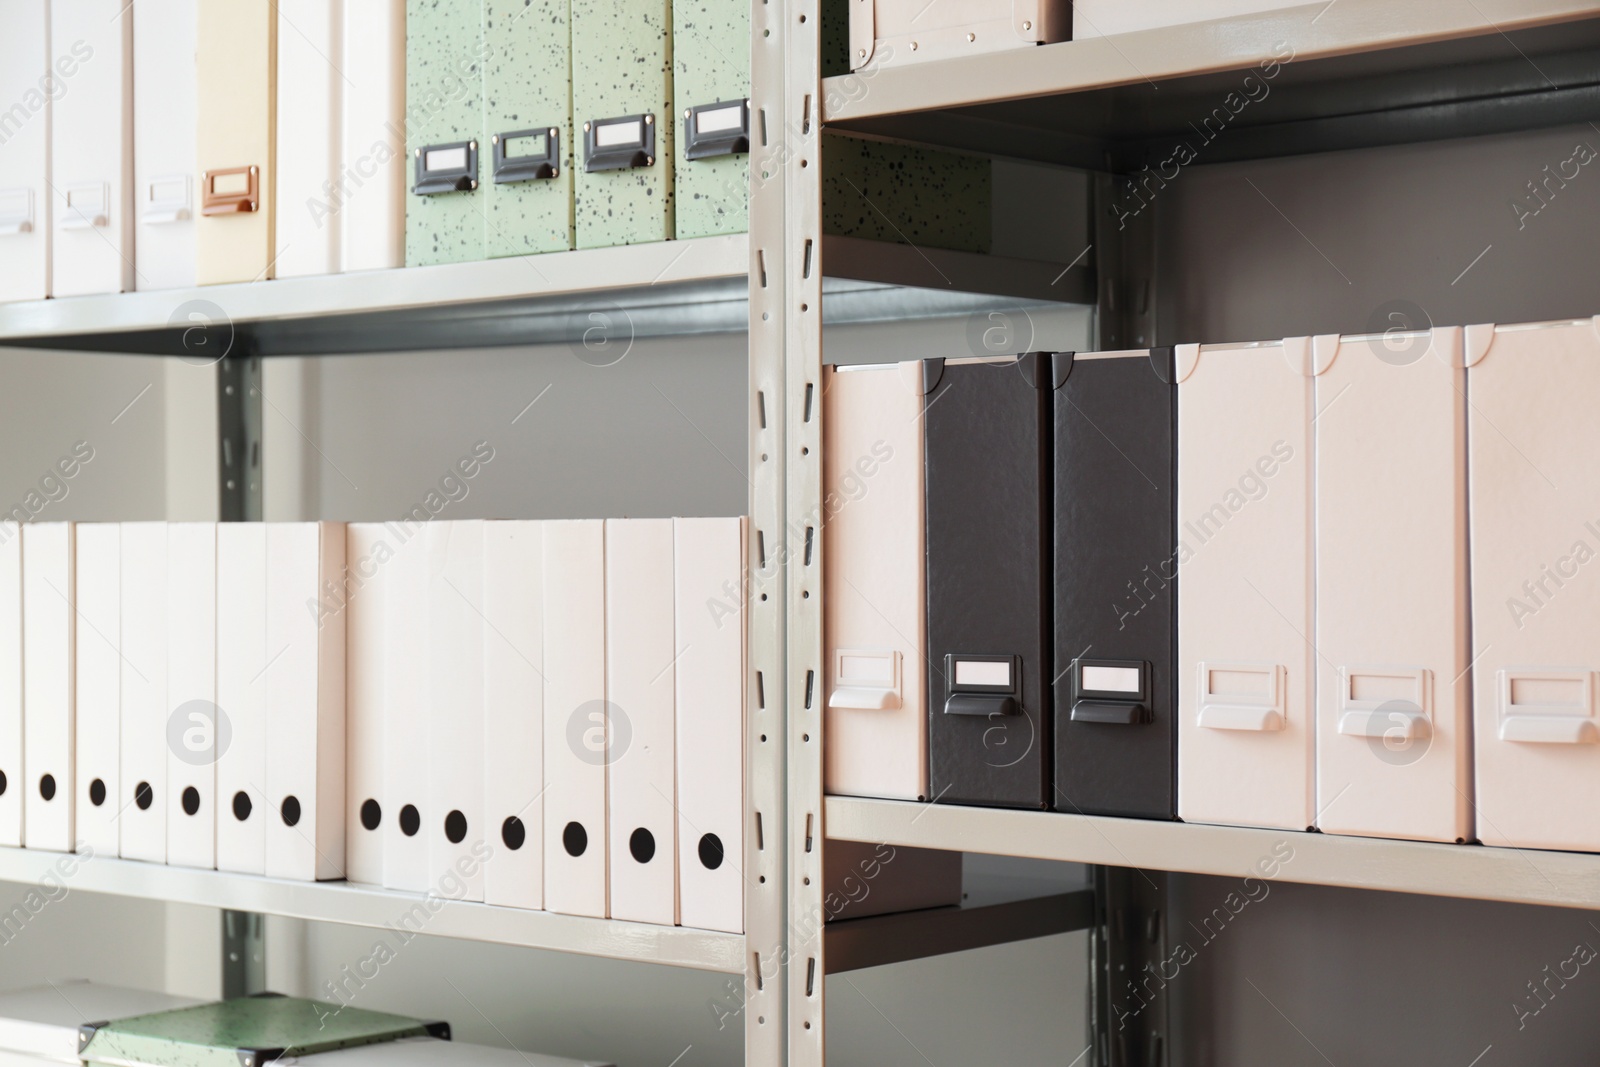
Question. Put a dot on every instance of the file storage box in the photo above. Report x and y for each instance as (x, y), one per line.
(445, 53)
(905, 194)
(25, 197)
(165, 100)
(711, 89)
(1100, 18)
(527, 114)
(236, 102)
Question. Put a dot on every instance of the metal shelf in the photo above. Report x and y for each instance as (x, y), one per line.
(356, 905)
(1360, 73)
(852, 944)
(1524, 876)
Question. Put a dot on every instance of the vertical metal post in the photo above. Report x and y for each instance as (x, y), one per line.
(244, 953)
(1128, 953)
(1124, 235)
(801, 160)
(766, 864)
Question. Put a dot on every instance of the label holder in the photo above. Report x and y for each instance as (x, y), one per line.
(602, 150)
(431, 181)
(723, 135)
(243, 201)
(538, 166)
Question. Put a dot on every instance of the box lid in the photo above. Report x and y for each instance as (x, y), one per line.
(43, 1021)
(246, 1032)
(431, 1052)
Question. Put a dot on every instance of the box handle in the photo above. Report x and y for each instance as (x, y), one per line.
(1113, 713)
(865, 679)
(1398, 723)
(446, 168)
(620, 143)
(230, 191)
(711, 131)
(1547, 706)
(87, 206)
(1242, 696)
(1248, 717)
(166, 199)
(1113, 692)
(544, 161)
(16, 210)
(980, 704)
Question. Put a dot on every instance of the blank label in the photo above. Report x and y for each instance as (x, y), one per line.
(718, 120)
(615, 133)
(446, 158)
(983, 672)
(1110, 679)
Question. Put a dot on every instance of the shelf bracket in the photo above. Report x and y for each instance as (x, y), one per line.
(244, 954)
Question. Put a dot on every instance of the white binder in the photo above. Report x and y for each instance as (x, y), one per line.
(195, 728)
(165, 88)
(364, 704)
(1535, 497)
(371, 183)
(455, 832)
(243, 810)
(406, 718)
(309, 85)
(640, 683)
(1393, 740)
(874, 569)
(25, 164)
(98, 663)
(1246, 671)
(142, 804)
(11, 778)
(575, 720)
(91, 148)
(708, 574)
(47, 685)
(513, 682)
(305, 699)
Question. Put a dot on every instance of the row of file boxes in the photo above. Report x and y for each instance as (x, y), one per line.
(1227, 583)
(167, 143)
(533, 714)
(899, 32)
(68, 1023)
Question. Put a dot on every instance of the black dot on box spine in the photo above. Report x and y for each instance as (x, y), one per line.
(97, 792)
(575, 838)
(711, 852)
(513, 833)
(642, 845)
(410, 820)
(241, 805)
(144, 796)
(371, 814)
(455, 827)
(47, 787)
(191, 800)
(290, 810)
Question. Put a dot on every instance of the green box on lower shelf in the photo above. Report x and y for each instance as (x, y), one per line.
(904, 194)
(245, 1032)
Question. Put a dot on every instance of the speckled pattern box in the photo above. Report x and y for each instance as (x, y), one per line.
(622, 66)
(710, 65)
(918, 196)
(527, 118)
(246, 1032)
(445, 54)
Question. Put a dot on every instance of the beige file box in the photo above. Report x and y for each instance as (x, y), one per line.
(236, 67)
(1393, 741)
(1246, 672)
(897, 32)
(874, 570)
(1535, 494)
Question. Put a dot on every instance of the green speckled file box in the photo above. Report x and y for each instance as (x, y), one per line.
(444, 103)
(907, 195)
(710, 64)
(622, 65)
(527, 85)
(246, 1032)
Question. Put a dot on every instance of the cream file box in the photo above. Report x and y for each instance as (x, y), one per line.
(98, 662)
(91, 148)
(25, 199)
(1101, 18)
(243, 810)
(457, 842)
(305, 698)
(142, 805)
(195, 728)
(1246, 672)
(709, 624)
(165, 92)
(11, 779)
(640, 669)
(875, 573)
(47, 686)
(367, 611)
(575, 718)
(370, 188)
(308, 140)
(513, 683)
(1535, 496)
(1393, 723)
(406, 745)
(235, 104)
